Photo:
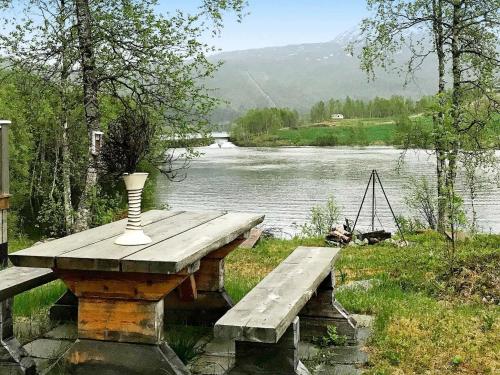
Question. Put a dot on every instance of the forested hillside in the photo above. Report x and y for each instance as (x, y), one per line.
(298, 76)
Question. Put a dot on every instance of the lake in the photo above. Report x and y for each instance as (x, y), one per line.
(284, 183)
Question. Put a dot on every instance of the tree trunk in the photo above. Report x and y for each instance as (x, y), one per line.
(65, 153)
(91, 105)
(437, 9)
(66, 171)
(456, 120)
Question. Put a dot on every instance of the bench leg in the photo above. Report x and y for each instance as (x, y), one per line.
(14, 359)
(281, 358)
(323, 310)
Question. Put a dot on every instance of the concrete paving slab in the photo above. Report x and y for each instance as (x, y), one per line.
(364, 321)
(65, 331)
(211, 365)
(324, 369)
(47, 348)
(220, 348)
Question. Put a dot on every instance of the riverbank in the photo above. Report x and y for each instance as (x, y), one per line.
(348, 132)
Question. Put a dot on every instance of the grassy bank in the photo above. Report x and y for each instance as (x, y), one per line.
(349, 132)
(427, 321)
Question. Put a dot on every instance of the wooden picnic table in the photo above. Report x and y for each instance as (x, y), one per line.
(121, 289)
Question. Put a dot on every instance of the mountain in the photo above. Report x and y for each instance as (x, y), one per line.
(297, 76)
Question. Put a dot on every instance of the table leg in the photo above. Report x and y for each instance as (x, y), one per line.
(210, 300)
(120, 324)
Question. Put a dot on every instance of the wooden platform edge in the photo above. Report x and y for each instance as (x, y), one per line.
(253, 238)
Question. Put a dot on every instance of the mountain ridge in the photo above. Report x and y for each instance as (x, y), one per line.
(299, 75)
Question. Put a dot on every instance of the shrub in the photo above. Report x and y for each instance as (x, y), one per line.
(322, 219)
(332, 338)
(422, 200)
(326, 140)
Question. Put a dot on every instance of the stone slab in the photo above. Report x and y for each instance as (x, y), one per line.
(90, 357)
(336, 370)
(363, 320)
(10, 369)
(211, 365)
(347, 355)
(47, 348)
(308, 350)
(65, 331)
(220, 347)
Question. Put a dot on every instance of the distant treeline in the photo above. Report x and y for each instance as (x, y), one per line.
(375, 108)
(264, 120)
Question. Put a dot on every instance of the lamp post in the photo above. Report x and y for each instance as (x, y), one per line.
(4, 189)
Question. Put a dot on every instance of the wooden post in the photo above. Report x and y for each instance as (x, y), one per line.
(4, 190)
(5, 306)
(120, 322)
(281, 358)
(323, 310)
(204, 300)
(13, 357)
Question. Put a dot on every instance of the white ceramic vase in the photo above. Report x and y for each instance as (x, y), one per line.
(134, 234)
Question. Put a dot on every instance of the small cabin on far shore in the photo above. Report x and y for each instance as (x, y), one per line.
(337, 116)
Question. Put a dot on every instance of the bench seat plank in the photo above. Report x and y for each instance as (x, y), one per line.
(44, 255)
(16, 280)
(266, 312)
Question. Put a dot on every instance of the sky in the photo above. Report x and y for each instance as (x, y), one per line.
(281, 22)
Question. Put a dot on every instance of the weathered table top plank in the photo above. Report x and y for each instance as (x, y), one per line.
(44, 255)
(180, 251)
(179, 240)
(16, 280)
(107, 256)
(265, 313)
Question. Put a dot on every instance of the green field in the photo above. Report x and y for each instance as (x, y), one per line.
(362, 132)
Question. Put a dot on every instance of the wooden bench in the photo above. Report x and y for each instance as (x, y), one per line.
(265, 323)
(13, 281)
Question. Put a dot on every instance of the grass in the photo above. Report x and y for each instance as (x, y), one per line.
(428, 320)
(183, 340)
(349, 132)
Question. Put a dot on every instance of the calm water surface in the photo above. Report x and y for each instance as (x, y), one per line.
(284, 183)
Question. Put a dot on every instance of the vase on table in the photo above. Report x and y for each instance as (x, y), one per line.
(134, 233)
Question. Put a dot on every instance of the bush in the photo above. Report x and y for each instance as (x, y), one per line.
(422, 200)
(332, 338)
(326, 140)
(323, 218)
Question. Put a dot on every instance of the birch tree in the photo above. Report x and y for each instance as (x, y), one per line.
(127, 53)
(462, 37)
